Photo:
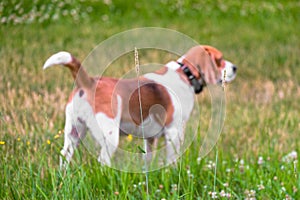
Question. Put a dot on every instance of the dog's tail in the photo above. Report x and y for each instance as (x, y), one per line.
(80, 76)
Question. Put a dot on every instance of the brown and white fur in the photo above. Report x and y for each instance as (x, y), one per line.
(107, 105)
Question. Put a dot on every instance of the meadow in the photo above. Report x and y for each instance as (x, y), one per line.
(256, 155)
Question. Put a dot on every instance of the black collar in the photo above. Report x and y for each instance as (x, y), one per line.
(197, 84)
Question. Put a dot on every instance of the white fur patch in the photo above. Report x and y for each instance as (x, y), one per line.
(60, 58)
(181, 59)
(173, 65)
(182, 94)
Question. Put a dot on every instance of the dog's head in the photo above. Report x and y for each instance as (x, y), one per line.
(207, 62)
(228, 70)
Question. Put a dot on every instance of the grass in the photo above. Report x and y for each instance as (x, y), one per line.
(262, 110)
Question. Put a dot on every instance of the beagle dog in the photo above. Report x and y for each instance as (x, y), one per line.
(152, 105)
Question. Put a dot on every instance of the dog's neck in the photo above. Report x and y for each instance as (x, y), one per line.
(187, 75)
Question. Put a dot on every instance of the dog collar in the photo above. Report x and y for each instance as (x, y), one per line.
(197, 84)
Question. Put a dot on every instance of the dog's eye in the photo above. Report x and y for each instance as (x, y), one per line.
(220, 62)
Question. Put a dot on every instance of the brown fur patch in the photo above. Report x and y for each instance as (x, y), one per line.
(152, 94)
(162, 71)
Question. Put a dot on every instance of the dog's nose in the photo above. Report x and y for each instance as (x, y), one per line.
(234, 68)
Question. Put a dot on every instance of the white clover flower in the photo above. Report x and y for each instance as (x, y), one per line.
(252, 192)
(250, 195)
(290, 157)
(213, 195)
(242, 162)
(3, 20)
(209, 166)
(287, 197)
(295, 189)
(222, 193)
(174, 187)
(260, 160)
(65, 12)
(198, 160)
(261, 187)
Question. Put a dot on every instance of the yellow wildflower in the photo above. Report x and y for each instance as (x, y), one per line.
(129, 137)
(56, 136)
(2, 142)
(48, 142)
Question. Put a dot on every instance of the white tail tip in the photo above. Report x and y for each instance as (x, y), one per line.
(60, 58)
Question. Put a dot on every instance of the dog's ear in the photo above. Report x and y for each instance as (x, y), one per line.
(216, 55)
(201, 61)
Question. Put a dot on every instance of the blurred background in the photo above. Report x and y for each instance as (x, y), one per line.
(262, 104)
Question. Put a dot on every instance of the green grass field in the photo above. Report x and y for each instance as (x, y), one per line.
(257, 150)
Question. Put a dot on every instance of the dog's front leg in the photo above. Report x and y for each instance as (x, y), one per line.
(106, 132)
(109, 143)
(173, 138)
(109, 146)
(151, 145)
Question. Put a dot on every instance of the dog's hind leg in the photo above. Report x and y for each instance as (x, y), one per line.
(151, 148)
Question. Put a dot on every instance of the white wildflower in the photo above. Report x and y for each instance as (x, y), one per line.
(198, 160)
(287, 197)
(213, 195)
(222, 193)
(261, 187)
(252, 193)
(260, 160)
(242, 162)
(290, 157)
(3, 20)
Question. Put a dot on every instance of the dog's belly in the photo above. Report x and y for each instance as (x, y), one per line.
(148, 129)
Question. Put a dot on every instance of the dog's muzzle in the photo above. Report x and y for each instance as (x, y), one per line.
(229, 72)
